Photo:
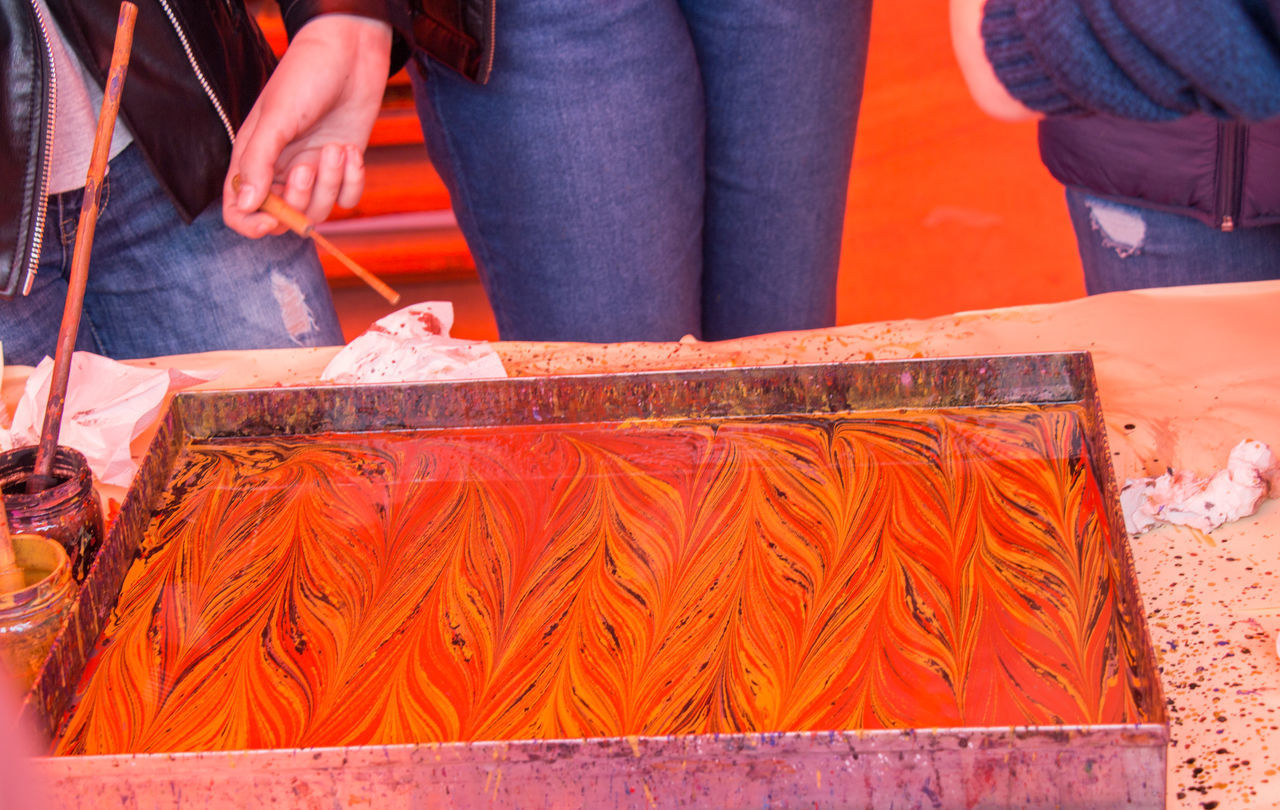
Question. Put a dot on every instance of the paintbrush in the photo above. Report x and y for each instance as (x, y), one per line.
(84, 243)
(11, 578)
(296, 221)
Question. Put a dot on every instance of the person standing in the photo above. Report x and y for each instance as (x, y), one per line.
(1162, 121)
(167, 276)
(637, 170)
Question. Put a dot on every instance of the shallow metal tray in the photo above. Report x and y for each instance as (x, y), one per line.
(1048, 766)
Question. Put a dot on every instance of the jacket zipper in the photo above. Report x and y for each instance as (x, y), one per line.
(1231, 138)
(46, 158)
(195, 67)
(46, 171)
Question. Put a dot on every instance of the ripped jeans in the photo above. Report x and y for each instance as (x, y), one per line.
(158, 286)
(1124, 247)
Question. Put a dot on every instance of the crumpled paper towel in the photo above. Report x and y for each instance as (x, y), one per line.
(413, 344)
(109, 404)
(1201, 503)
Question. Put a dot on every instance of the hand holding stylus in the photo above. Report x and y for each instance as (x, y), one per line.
(307, 132)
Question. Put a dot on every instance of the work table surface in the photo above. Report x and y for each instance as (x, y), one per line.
(1183, 374)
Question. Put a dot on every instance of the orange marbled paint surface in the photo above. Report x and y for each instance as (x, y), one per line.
(931, 569)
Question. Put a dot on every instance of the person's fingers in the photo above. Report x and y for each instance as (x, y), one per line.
(328, 182)
(352, 177)
(249, 175)
(258, 159)
(276, 227)
(260, 154)
(298, 184)
(239, 219)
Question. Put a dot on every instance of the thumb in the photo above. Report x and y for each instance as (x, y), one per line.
(253, 163)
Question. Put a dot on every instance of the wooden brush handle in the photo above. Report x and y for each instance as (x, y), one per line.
(288, 216)
(296, 221)
(7, 560)
(74, 305)
(390, 295)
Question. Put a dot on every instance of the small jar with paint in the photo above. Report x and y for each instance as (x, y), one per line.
(30, 617)
(68, 510)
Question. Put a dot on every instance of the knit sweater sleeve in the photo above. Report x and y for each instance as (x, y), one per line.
(1134, 58)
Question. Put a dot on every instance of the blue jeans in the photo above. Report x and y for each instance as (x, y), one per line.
(158, 286)
(1124, 247)
(647, 169)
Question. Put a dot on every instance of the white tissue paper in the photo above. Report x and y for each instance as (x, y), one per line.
(1183, 498)
(413, 344)
(109, 404)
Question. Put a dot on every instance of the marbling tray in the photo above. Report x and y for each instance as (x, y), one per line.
(931, 600)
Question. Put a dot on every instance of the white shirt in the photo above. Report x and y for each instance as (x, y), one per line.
(77, 101)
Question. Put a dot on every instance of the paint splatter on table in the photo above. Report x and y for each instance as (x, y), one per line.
(933, 569)
(1208, 620)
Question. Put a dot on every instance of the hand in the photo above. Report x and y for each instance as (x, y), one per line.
(306, 134)
(986, 89)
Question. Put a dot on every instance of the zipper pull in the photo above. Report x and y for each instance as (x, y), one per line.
(1228, 225)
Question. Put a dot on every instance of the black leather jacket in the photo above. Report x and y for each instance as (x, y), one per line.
(195, 69)
(457, 33)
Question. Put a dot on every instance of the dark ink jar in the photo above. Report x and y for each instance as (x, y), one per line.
(68, 511)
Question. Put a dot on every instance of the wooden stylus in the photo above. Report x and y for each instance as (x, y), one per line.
(296, 221)
(11, 578)
(71, 310)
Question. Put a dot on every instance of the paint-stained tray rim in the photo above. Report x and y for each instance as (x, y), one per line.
(879, 739)
(927, 383)
(1066, 766)
(880, 385)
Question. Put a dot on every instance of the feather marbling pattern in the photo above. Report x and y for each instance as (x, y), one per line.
(788, 573)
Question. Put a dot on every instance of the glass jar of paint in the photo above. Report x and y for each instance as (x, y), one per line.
(31, 616)
(68, 510)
